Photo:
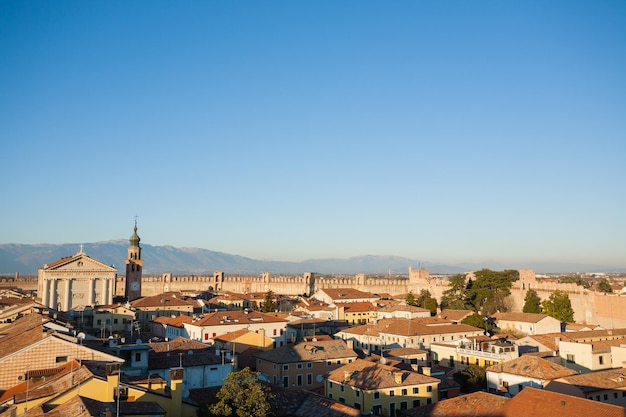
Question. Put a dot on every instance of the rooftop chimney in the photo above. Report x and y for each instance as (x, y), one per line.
(346, 376)
(397, 376)
(426, 370)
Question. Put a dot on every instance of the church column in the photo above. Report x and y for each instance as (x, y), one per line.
(111, 290)
(52, 301)
(45, 292)
(92, 290)
(105, 292)
(67, 300)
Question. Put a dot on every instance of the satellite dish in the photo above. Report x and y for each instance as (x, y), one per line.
(81, 335)
(190, 352)
(319, 378)
(138, 342)
(383, 360)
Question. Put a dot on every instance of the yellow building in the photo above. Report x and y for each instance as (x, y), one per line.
(357, 312)
(379, 388)
(45, 390)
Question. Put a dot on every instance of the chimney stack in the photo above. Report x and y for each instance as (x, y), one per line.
(426, 370)
(397, 376)
(176, 389)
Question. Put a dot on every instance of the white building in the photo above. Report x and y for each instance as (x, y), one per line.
(529, 323)
(210, 326)
(73, 282)
(526, 371)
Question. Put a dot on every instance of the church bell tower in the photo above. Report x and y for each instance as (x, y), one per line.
(134, 266)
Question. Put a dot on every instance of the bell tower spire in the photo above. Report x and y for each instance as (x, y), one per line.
(134, 267)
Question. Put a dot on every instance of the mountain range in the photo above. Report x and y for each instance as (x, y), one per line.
(26, 259)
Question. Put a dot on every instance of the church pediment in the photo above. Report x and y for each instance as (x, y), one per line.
(79, 262)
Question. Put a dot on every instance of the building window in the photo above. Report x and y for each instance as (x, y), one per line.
(392, 393)
(405, 391)
(61, 359)
(416, 390)
(341, 388)
(330, 384)
(329, 363)
(114, 321)
(377, 395)
(606, 397)
(429, 400)
(299, 380)
(601, 359)
(138, 357)
(357, 393)
(299, 366)
(416, 403)
(342, 400)
(571, 358)
(404, 405)
(285, 367)
(206, 336)
(309, 365)
(285, 382)
(309, 379)
(429, 388)
(274, 366)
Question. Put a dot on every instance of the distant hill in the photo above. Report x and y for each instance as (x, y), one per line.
(26, 259)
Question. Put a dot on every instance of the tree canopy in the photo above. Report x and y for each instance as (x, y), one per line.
(424, 300)
(532, 302)
(479, 321)
(604, 285)
(268, 305)
(490, 290)
(559, 306)
(456, 296)
(242, 395)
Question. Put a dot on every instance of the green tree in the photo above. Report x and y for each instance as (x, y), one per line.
(559, 306)
(472, 379)
(455, 297)
(268, 304)
(410, 299)
(532, 302)
(479, 321)
(427, 301)
(604, 285)
(242, 395)
(490, 290)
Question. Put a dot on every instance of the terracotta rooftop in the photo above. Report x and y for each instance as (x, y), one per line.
(532, 367)
(320, 350)
(21, 333)
(600, 380)
(549, 340)
(477, 404)
(358, 307)
(230, 336)
(225, 318)
(372, 376)
(522, 317)
(597, 334)
(454, 315)
(177, 321)
(320, 406)
(178, 344)
(163, 300)
(541, 403)
(403, 307)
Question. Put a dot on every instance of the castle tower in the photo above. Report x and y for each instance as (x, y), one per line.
(134, 266)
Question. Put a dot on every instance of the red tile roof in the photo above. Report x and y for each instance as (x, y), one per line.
(372, 376)
(541, 403)
(225, 318)
(477, 404)
(532, 367)
(522, 317)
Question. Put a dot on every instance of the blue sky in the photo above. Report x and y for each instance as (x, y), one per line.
(443, 131)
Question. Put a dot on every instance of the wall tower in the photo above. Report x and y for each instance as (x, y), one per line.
(134, 267)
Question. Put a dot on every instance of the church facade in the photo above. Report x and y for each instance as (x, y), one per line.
(73, 282)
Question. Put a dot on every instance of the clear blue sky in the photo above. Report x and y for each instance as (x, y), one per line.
(444, 131)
